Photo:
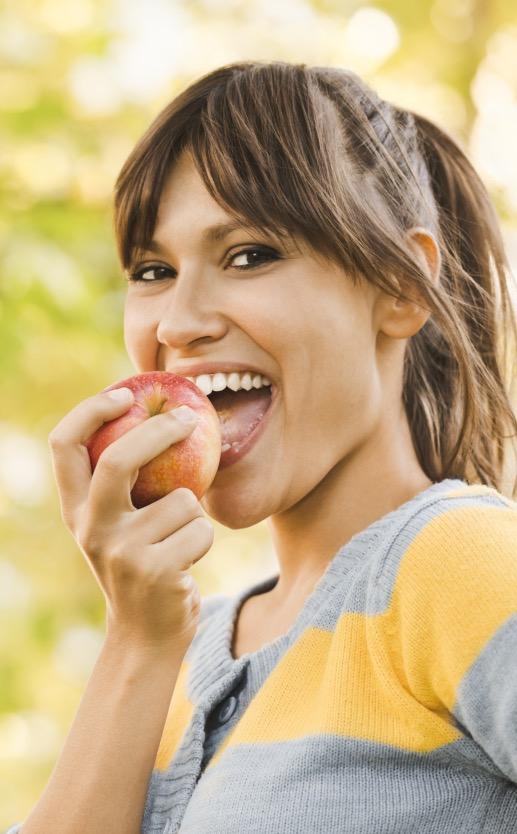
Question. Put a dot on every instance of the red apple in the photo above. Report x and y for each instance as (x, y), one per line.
(192, 462)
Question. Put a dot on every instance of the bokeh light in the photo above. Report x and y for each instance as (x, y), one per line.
(80, 82)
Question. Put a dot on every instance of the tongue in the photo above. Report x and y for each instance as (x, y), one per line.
(240, 411)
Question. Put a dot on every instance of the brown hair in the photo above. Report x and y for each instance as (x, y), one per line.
(314, 153)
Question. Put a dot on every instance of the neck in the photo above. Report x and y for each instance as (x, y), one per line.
(383, 474)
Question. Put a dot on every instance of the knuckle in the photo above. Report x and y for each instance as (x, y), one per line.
(195, 595)
(183, 580)
(155, 576)
(56, 441)
(186, 499)
(89, 541)
(204, 527)
(121, 566)
(111, 461)
(67, 517)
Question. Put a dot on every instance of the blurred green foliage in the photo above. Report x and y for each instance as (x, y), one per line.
(80, 81)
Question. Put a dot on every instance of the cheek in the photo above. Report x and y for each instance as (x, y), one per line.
(139, 333)
(263, 319)
(274, 302)
(331, 374)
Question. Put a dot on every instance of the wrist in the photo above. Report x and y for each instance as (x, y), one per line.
(120, 641)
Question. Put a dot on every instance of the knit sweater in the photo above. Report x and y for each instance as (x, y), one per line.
(388, 707)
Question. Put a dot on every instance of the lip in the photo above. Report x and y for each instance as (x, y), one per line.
(217, 367)
(233, 455)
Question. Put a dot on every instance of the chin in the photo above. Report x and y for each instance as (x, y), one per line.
(234, 513)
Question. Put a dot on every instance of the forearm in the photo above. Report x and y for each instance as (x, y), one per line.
(99, 783)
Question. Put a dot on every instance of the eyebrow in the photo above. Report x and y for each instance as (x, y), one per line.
(212, 234)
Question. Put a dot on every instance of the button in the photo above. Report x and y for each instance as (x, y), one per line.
(227, 709)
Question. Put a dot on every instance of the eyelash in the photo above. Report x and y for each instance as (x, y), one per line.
(269, 254)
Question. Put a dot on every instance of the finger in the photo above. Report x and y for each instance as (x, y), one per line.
(70, 459)
(166, 515)
(114, 475)
(185, 547)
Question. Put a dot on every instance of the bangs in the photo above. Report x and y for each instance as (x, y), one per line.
(270, 150)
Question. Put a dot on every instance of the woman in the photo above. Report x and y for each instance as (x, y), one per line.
(282, 221)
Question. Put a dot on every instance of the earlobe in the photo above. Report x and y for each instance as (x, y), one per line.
(402, 318)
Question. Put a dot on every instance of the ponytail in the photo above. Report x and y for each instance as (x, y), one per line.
(460, 378)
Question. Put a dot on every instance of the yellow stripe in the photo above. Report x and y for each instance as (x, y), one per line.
(456, 586)
(178, 719)
(480, 489)
(345, 691)
(364, 679)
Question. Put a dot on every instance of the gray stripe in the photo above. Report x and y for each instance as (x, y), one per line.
(328, 785)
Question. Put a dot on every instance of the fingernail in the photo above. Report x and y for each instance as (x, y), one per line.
(184, 414)
(120, 394)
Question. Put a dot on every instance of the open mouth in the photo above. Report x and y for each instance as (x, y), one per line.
(240, 412)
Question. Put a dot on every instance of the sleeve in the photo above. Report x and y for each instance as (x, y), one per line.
(450, 623)
(15, 829)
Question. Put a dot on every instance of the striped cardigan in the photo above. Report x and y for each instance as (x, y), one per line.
(388, 707)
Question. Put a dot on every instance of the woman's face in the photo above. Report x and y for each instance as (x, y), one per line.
(296, 318)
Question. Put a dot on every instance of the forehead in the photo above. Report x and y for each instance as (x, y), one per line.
(185, 194)
(187, 209)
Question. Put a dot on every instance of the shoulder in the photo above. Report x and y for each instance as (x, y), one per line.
(447, 598)
(471, 516)
(466, 535)
(470, 520)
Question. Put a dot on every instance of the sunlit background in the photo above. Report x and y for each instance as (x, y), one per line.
(79, 82)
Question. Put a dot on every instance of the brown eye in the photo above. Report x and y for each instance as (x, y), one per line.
(264, 256)
(151, 273)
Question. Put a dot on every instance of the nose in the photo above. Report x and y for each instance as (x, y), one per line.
(189, 314)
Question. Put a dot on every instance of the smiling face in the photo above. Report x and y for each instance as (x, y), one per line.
(280, 309)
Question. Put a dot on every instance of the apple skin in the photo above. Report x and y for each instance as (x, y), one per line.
(190, 463)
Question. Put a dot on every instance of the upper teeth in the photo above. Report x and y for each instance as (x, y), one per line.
(235, 381)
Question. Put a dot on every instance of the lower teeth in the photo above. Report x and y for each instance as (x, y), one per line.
(226, 446)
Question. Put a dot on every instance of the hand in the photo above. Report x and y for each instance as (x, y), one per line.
(139, 557)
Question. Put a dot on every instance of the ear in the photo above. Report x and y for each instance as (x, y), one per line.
(423, 243)
(399, 318)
